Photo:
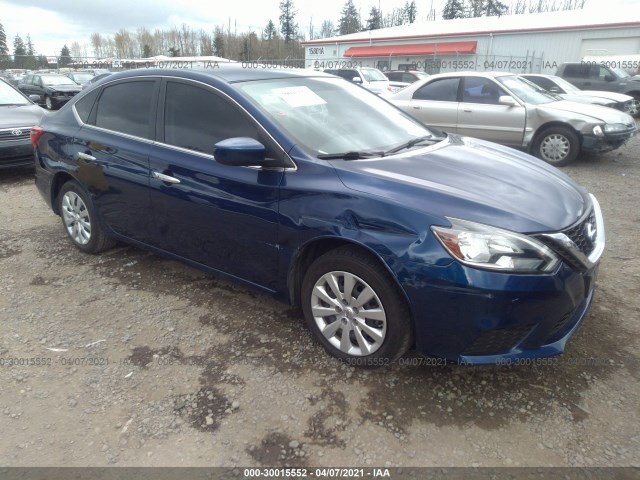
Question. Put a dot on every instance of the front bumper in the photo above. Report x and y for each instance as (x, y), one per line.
(610, 141)
(16, 154)
(478, 316)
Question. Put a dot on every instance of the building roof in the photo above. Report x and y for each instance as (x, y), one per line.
(549, 21)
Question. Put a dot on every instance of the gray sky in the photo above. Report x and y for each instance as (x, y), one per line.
(53, 23)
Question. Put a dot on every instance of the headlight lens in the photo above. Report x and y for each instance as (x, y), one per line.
(482, 246)
(615, 127)
(597, 131)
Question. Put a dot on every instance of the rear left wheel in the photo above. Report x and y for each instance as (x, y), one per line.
(355, 310)
(80, 221)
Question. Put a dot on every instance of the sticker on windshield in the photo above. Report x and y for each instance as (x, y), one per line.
(299, 96)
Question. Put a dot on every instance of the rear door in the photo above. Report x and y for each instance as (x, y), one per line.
(436, 104)
(224, 217)
(112, 152)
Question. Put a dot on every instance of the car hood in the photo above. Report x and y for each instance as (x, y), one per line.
(20, 116)
(472, 180)
(616, 97)
(597, 112)
(586, 99)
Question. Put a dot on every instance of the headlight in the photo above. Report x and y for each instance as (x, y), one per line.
(482, 246)
(597, 131)
(615, 128)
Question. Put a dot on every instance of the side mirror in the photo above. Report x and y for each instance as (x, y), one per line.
(507, 100)
(35, 98)
(609, 78)
(240, 152)
(356, 80)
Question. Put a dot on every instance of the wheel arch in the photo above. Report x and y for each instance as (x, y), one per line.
(57, 182)
(550, 124)
(315, 248)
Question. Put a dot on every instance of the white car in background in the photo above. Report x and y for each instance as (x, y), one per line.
(370, 78)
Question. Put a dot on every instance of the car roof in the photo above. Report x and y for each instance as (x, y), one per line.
(227, 73)
(472, 74)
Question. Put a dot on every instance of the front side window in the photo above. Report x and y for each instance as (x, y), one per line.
(481, 90)
(127, 107)
(196, 118)
(441, 90)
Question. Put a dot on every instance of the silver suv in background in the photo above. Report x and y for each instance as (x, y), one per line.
(370, 78)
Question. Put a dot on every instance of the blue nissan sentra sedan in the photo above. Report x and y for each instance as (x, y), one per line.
(390, 235)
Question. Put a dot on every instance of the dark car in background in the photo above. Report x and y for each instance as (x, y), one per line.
(387, 233)
(17, 115)
(568, 91)
(96, 79)
(54, 90)
(595, 76)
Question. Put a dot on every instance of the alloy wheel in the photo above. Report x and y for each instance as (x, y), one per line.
(76, 218)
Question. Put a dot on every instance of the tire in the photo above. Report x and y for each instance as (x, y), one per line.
(557, 146)
(48, 103)
(379, 330)
(635, 107)
(80, 221)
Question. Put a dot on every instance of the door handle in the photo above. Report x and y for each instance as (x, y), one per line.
(466, 110)
(86, 156)
(165, 178)
(416, 107)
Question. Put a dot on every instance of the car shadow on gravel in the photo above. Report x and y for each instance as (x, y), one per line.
(11, 177)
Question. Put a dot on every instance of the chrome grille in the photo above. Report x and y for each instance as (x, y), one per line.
(9, 134)
(582, 236)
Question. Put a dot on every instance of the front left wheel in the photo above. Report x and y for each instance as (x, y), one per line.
(355, 309)
(48, 102)
(557, 146)
(80, 221)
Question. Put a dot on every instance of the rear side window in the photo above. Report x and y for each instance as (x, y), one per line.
(127, 107)
(197, 119)
(85, 104)
(576, 70)
(443, 90)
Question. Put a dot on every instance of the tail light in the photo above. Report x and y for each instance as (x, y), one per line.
(36, 133)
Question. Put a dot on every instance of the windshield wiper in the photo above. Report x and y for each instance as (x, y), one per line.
(411, 143)
(352, 155)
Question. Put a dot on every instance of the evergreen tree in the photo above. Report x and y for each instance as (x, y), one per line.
(218, 42)
(350, 19)
(374, 21)
(410, 11)
(30, 59)
(65, 57)
(288, 26)
(5, 60)
(495, 8)
(146, 51)
(19, 52)
(453, 9)
(4, 50)
(174, 52)
(270, 31)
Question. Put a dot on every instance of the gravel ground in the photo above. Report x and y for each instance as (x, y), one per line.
(142, 361)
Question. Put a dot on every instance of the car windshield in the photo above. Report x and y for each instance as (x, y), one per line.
(328, 116)
(526, 91)
(373, 75)
(81, 77)
(56, 80)
(621, 73)
(566, 86)
(10, 96)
